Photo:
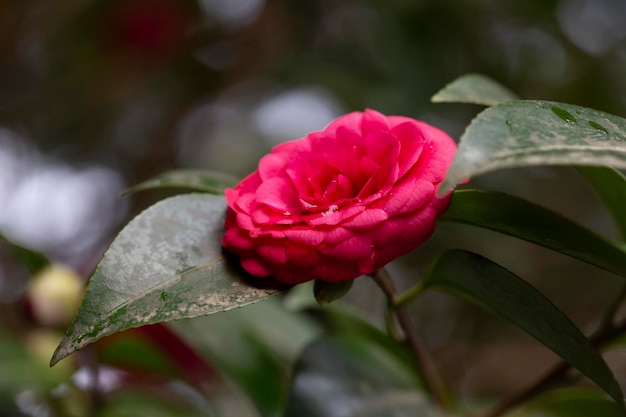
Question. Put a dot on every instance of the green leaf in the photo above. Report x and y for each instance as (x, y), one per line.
(355, 375)
(475, 89)
(610, 185)
(505, 294)
(573, 402)
(327, 292)
(522, 219)
(166, 264)
(522, 133)
(192, 179)
(255, 347)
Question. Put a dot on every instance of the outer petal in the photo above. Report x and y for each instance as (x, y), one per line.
(278, 193)
(373, 121)
(353, 249)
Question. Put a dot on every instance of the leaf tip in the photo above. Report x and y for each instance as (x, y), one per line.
(60, 353)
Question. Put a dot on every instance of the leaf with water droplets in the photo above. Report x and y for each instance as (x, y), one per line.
(475, 89)
(534, 132)
(166, 264)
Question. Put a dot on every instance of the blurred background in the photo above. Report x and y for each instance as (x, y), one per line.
(96, 96)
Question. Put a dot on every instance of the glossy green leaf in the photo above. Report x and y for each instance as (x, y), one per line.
(166, 264)
(522, 133)
(256, 347)
(610, 185)
(192, 179)
(525, 220)
(575, 402)
(352, 375)
(475, 89)
(505, 294)
(327, 292)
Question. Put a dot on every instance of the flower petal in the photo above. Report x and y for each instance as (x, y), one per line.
(254, 266)
(278, 193)
(411, 143)
(308, 236)
(409, 195)
(353, 249)
(368, 218)
(373, 121)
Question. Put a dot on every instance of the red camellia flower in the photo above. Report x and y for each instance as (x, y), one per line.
(342, 202)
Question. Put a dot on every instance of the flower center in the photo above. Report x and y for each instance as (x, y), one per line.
(339, 192)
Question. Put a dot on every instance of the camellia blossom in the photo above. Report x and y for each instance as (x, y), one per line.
(342, 202)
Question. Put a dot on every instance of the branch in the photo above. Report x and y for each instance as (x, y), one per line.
(430, 374)
(557, 374)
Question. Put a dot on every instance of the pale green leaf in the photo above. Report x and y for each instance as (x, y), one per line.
(475, 89)
(522, 133)
(166, 264)
(508, 296)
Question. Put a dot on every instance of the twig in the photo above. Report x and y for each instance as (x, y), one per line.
(602, 337)
(430, 374)
(609, 316)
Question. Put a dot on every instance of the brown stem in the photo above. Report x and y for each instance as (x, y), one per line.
(430, 374)
(557, 374)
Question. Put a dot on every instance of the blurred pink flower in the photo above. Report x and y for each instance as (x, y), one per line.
(342, 202)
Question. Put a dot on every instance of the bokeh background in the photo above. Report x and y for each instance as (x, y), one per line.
(96, 96)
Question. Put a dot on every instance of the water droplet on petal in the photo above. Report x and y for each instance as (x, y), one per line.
(564, 114)
(331, 210)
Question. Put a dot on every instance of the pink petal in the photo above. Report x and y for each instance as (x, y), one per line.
(290, 148)
(254, 266)
(411, 143)
(236, 238)
(278, 193)
(302, 256)
(409, 195)
(245, 221)
(292, 276)
(368, 218)
(383, 148)
(355, 248)
(373, 121)
(335, 271)
(337, 216)
(307, 236)
(336, 234)
(339, 188)
(271, 165)
(367, 265)
(436, 158)
(272, 250)
(350, 121)
(340, 152)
